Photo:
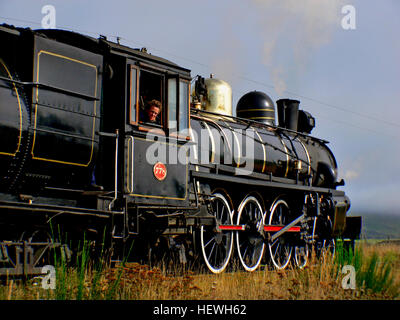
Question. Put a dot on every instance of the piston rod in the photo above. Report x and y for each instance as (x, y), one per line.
(285, 229)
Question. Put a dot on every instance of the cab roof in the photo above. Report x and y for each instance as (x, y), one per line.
(99, 45)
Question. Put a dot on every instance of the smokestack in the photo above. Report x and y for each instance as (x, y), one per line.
(288, 113)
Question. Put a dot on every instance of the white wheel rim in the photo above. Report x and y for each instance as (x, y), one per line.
(238, 245)
(298, 255)
(211, 242)
(326, 247)
(274, 251)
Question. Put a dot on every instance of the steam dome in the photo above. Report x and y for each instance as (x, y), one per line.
(257, 106)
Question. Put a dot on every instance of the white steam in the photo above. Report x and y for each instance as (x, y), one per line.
(297, 28)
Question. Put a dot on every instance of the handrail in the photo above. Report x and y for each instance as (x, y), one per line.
(46, 86)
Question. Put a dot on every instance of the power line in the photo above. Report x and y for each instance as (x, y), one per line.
(110, 36)
(60, 27)
(328, 104)
(357, 127)
(246, 78)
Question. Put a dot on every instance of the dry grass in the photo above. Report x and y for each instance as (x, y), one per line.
(319, 281)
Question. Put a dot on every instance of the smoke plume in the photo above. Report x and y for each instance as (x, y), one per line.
(292, 31)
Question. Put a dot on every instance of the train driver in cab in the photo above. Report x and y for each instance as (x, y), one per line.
(152, 112)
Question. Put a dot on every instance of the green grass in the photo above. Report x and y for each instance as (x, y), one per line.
(374, 273)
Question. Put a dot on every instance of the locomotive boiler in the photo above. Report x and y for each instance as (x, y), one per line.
(79, 160)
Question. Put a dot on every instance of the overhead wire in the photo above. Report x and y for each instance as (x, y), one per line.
(246, 78)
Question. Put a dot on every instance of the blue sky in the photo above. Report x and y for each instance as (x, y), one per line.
(348, 79)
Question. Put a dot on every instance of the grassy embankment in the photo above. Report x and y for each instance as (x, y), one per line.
(377, 277)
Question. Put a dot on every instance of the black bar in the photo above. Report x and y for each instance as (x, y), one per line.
(107, 134)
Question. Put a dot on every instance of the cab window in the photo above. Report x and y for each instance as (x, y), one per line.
(178, 105)
(172, 105)
(151, 92)
(183, 105)
(150, 98)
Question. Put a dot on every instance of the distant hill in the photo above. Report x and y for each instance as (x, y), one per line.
(380, 226)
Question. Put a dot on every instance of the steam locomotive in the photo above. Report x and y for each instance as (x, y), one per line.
(77, 160)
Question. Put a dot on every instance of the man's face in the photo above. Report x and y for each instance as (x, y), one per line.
(152, 113)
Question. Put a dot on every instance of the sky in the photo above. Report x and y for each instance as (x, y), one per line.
(343, 66)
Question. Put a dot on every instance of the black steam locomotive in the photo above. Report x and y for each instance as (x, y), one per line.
(78, 160)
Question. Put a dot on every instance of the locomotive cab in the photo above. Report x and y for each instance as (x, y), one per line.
(155, 157)
(77, 119)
